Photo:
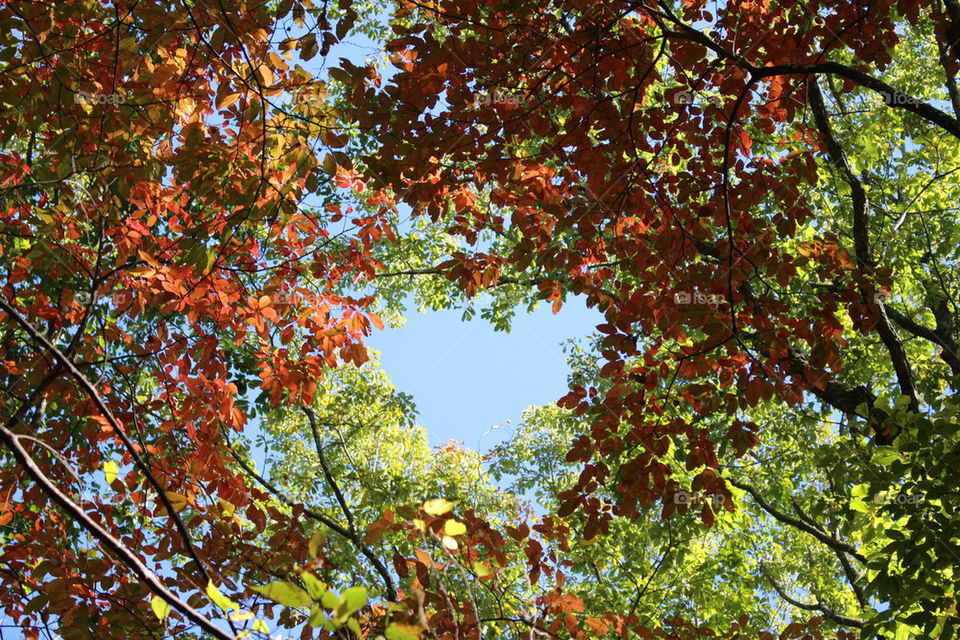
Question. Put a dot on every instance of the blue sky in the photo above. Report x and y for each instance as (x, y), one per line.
(466, 378)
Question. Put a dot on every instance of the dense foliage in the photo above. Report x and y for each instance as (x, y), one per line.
(206, 206)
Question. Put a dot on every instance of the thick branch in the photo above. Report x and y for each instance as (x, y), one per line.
(816, 532)
(112, 544)
(852, 578)
(91, 392)
(354, 535)
(946, 343)
(953, 28)
(819, 607)
(944, 47)
(861, 244)
(892, 97)
(846, 399)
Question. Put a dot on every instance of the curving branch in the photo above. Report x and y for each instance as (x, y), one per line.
(324, 520)
(328, 476)
(816, 532)
(861, 245)
(893, 98)
(279, 495)
(819, 607)
(353, 533)
(117, 548)
(940, 337)
(852, 579)
(131, 448)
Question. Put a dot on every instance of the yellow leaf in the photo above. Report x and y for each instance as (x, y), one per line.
(805, 249)
(454, 528)
(266, 75)
(227, 100)
(219, 599)
(240, 616)
(437, 506)
(315, 541)
(177, 501)
(450, 543)
(110, 470)
(160, 607)
(330, 164)
(398, 631)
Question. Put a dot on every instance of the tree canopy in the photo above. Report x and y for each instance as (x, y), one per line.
(207, 206)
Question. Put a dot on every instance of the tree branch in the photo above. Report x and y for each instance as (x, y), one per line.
(892, 97)
(946, 343)
(27, 463)
(91, 392)
(279, 495)
(353, 534)
(819, 607)
(861, 243)
(321, 518)
(816, 532)
(341, 500)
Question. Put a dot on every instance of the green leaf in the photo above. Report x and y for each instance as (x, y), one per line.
(315, 588)
(884, 455)
(308, 47)
(354, 626)
(354, 598)
(402, 632)
(219, 599)
(330, 600)
(317, 617)
(330, 164)
(285, 593)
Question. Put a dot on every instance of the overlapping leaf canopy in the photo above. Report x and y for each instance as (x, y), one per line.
(203, 212)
